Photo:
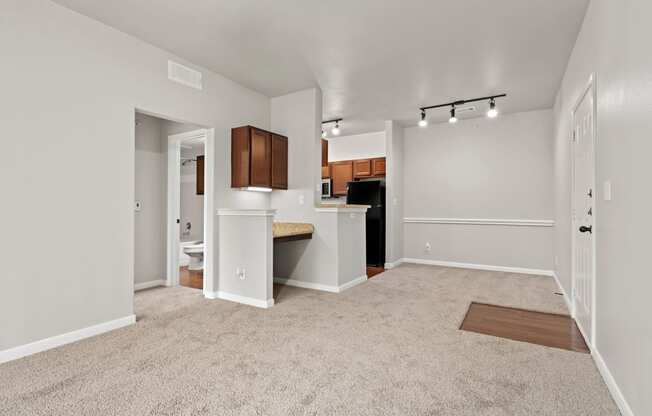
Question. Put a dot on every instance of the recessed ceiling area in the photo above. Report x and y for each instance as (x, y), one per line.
(374, 61)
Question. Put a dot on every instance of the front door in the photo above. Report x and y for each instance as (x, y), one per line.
(583, 213)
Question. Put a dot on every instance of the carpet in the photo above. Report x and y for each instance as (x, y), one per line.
(390, 346)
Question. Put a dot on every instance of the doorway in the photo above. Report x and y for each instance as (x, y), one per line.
(583, 212)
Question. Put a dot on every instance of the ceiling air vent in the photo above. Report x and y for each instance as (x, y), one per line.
(184, 75)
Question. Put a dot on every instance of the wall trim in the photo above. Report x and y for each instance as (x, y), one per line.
(246, 212)
(393, 264)
(63, 339)
(318, 286)
(150, 284)
(245, 300)
(610, 381)
(481, 221)
(507, 269)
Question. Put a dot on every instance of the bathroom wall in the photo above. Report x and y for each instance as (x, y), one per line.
(192, 205)
(150, 190)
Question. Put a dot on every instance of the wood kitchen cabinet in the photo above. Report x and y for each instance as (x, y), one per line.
(200, 175)
(378, 166)
(258, 158)
(324, 152)
(341, 175)
(279, 161)
(361, 168)
(325, 172)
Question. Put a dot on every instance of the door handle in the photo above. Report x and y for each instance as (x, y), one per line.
(588, 229)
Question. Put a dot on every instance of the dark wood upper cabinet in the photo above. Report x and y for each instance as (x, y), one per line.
(324, 152)
(200, 175)
(279, 161)
(361, 168)
(341, 175)
(378, 166)
(258, 158)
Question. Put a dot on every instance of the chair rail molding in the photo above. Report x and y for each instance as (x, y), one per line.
(480, 221)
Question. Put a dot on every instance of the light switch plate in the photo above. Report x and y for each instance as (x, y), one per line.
(607, 191)
(137, 206)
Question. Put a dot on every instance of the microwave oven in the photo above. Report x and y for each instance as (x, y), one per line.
(326, 188)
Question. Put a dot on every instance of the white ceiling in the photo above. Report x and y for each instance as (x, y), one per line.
(373, 59)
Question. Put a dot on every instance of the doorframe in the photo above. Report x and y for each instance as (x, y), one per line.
(174, 203)
(590, 87)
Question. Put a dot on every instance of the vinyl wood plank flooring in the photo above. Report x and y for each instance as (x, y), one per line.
(191, 278)
(549, 329)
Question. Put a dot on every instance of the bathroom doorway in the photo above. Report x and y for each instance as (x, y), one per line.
(189, 196)
(173, 196)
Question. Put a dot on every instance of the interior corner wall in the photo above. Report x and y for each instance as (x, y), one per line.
(394, 191)
(480, 169)
(613, 44)
(357, 146)
(68, 178)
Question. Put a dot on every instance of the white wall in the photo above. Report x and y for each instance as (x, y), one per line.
(68, 178)
(358, 146)
(614, 44)
(394, 192)
(150, 235)
(480, 169)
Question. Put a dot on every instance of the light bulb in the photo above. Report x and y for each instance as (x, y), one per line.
(493, 111)
(336, 130)
(453, 119)
(423, 122)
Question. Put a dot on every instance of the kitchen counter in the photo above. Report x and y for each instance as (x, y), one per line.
(291, 231)
(340, 205)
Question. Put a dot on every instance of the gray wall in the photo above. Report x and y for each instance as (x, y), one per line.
(394, 192)
(191, 204)
(481, 169)
(614, 44)
(70, 86)
(150, 235)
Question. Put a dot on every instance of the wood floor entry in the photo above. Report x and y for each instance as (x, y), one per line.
(549, 329)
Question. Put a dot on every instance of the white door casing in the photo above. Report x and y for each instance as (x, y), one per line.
(583, 213)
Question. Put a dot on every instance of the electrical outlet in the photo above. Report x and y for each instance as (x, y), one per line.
(241, 272)
(428, 247)
(302, 199)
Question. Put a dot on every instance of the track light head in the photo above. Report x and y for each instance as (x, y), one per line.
(336, 129)
(493, 111)
(453, 118)
(423, 122)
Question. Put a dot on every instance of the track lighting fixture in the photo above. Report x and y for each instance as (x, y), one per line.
(491, 113)
(423, 122)
(335, 130)
(452, 119)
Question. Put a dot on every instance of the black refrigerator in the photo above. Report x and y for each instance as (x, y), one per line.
(372, 193)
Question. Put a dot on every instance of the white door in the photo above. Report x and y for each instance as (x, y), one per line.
(583, 213)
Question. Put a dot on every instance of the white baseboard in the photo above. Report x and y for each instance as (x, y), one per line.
(507, 269)
(150, 284)
(63, 339)
(245, 300)
(609, 380)
(319, 286)
(393, 264)
(569, 305)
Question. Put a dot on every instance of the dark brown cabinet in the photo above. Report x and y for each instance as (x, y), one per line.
(324, 152)
(341, 175)
(258, 158)
(200, 175)
(279, 161)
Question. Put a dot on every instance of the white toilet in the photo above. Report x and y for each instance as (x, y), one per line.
(196, 254)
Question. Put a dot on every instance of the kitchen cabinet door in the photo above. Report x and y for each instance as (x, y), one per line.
(200, 175)
(279, 161)
(378, 166)
(361, 168)
(341, 175)
(261, 158)
(324, 152)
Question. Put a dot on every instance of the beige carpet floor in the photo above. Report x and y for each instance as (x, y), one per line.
(390, 346)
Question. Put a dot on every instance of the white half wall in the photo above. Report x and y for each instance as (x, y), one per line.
(613, 44)
(357, 146)
(480, 169)
(70, 86)
(394, 192)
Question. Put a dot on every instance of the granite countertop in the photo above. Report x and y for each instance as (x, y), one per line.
(289, 229)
